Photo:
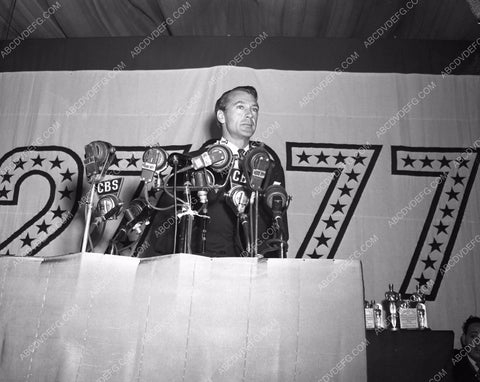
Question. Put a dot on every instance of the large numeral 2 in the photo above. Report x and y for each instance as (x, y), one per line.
(63, 170)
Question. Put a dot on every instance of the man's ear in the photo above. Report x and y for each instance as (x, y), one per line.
(221, 116)
(463, 340)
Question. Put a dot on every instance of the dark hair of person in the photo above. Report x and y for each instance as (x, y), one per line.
(221, 103)
(470, 320)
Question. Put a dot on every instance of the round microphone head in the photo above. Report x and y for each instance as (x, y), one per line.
(134, 209)
(276, 192)
(157, 156)
(203, 178)
(238, 199)
(101, 151)
(222, 157)
(108, 206)
(254, 156)
(178, 160)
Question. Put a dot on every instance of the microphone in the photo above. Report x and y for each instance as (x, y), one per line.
(218, 157)
(108, 207)
(256, 165)
(178, 160)
(277, 199)
(137, 212)
(154, 162)
(203, 180)
(98, 157)
(238, 198)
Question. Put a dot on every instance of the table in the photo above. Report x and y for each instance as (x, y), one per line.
(409, 355)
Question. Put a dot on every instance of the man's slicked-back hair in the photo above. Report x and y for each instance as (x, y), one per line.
(470, 320)
(221, 103)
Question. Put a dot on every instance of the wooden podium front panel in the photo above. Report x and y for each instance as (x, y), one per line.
(96, 317)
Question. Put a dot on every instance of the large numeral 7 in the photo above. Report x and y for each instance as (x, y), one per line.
(350, 167)
(453, 172)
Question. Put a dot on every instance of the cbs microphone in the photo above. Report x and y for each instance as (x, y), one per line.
(154, 162)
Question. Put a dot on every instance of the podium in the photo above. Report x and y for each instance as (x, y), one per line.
(94, 317)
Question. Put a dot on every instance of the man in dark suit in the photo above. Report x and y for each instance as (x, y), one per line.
(466, 361)
(224, 233)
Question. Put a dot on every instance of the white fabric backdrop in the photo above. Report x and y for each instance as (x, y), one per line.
(46, 118)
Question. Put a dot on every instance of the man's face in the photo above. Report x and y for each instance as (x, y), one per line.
(239, 119)
(472, 338)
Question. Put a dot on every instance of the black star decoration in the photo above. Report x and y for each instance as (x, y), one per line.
(338, 207)
(19, 163)
(444, 162)
(37, 161)
(452, 194)
(65, 193)
(322, 158)
(427, 162)
(58, 212)
(458, 179)
(359, 159)
(463, 163)
(303, 157)
(330, 222)
(322, 240)
(441, 227)
(67, 175)
(56, 163)
(6, 177)
(339, 158)
(115, 161)
(352, 175)
(27, 241)
(422, 280)
(408, 161)
(429, 263)
(314, 255)
(4, 192)
(43, 227)
(132, 161)
(435, 246)
(7, 253)
(447, 211)
(345, 190)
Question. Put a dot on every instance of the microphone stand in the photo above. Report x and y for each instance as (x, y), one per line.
(278, 221)
(245, 227)
(86, 232)
(185, 242)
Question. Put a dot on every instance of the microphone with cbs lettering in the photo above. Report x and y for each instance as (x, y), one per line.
(99, 155)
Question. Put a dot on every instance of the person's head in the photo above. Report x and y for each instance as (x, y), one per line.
(237, 113)
(471, 337)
